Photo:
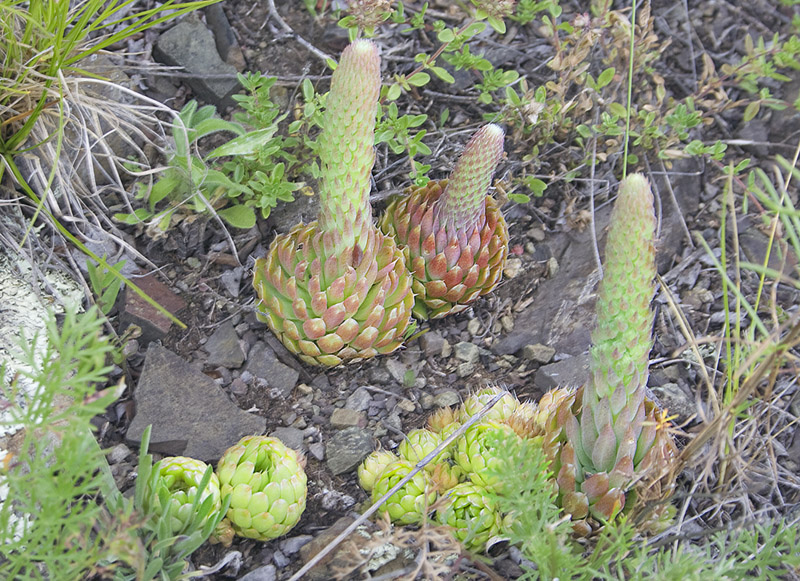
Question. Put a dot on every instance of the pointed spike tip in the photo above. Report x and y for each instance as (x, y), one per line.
(462, 204)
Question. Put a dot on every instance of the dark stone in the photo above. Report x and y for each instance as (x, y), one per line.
(292, 437)
(344, 418)
(190, 45)
(136, 311)
(330, 562)
(190, 414)
(347, 449)
(223, 347)
(262, 363)
(292, 545)
(432, 343)
(569, 372)
(359, 400)
(227, 46)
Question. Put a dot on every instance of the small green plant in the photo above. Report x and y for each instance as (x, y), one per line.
(61, 515)
(267, 486)
(767, 550)
(105, 284)
(52, 521)
(177, 507)
(243, 178)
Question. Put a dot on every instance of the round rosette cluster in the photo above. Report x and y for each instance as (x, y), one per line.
(450, 484)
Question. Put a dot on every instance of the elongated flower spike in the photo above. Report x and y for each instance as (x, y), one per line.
(603, 438)
(337, 289)
(454, 234)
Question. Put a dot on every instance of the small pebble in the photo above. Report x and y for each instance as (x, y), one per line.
(303, 389)
(536, 234)
(447, 350)
(552, 266)
(406, 406)
(467, 352)
(317, 450)
(447, 398)
(538, 353)
(507, 322)
(118, 453)
(465, 369)
(292, 545)
(427, 401)
(513, 267)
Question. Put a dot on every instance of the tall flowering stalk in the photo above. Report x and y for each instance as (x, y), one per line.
(337, 289)
(603, 439)
(454, 233)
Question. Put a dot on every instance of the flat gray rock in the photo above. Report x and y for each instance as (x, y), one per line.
(190, 45)
(265, 573)
(190, 414)
(562, 312)
(292, 437)
(347, 449)
(223, 347)
(570, 372)
(359, 400)
(263, 363)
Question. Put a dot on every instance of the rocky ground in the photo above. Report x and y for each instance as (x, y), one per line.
(226, 375)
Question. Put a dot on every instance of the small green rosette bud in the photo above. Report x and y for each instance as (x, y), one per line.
(501, 410)
(178, 481)
(411, 502)
(373, 466)
(472, 513)
(474, 452)
(418, 444)
(267, 485)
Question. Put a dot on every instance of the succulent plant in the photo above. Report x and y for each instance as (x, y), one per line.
(337, 289)
(174, 489)
(442, 418)
(445, 475)
(419, 443)
(267, 485)
(454, 234)
(474, 452)
(410, 503)
(604, 436)
(472, 513)
(501, 410)
(373, 465)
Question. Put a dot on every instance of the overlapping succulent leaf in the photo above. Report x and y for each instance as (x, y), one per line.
(411, 502)
(445, 475)
(337, 289)
(472, 513)
(442, 418)
(267, 484)
(603, 437)
(455, 235)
